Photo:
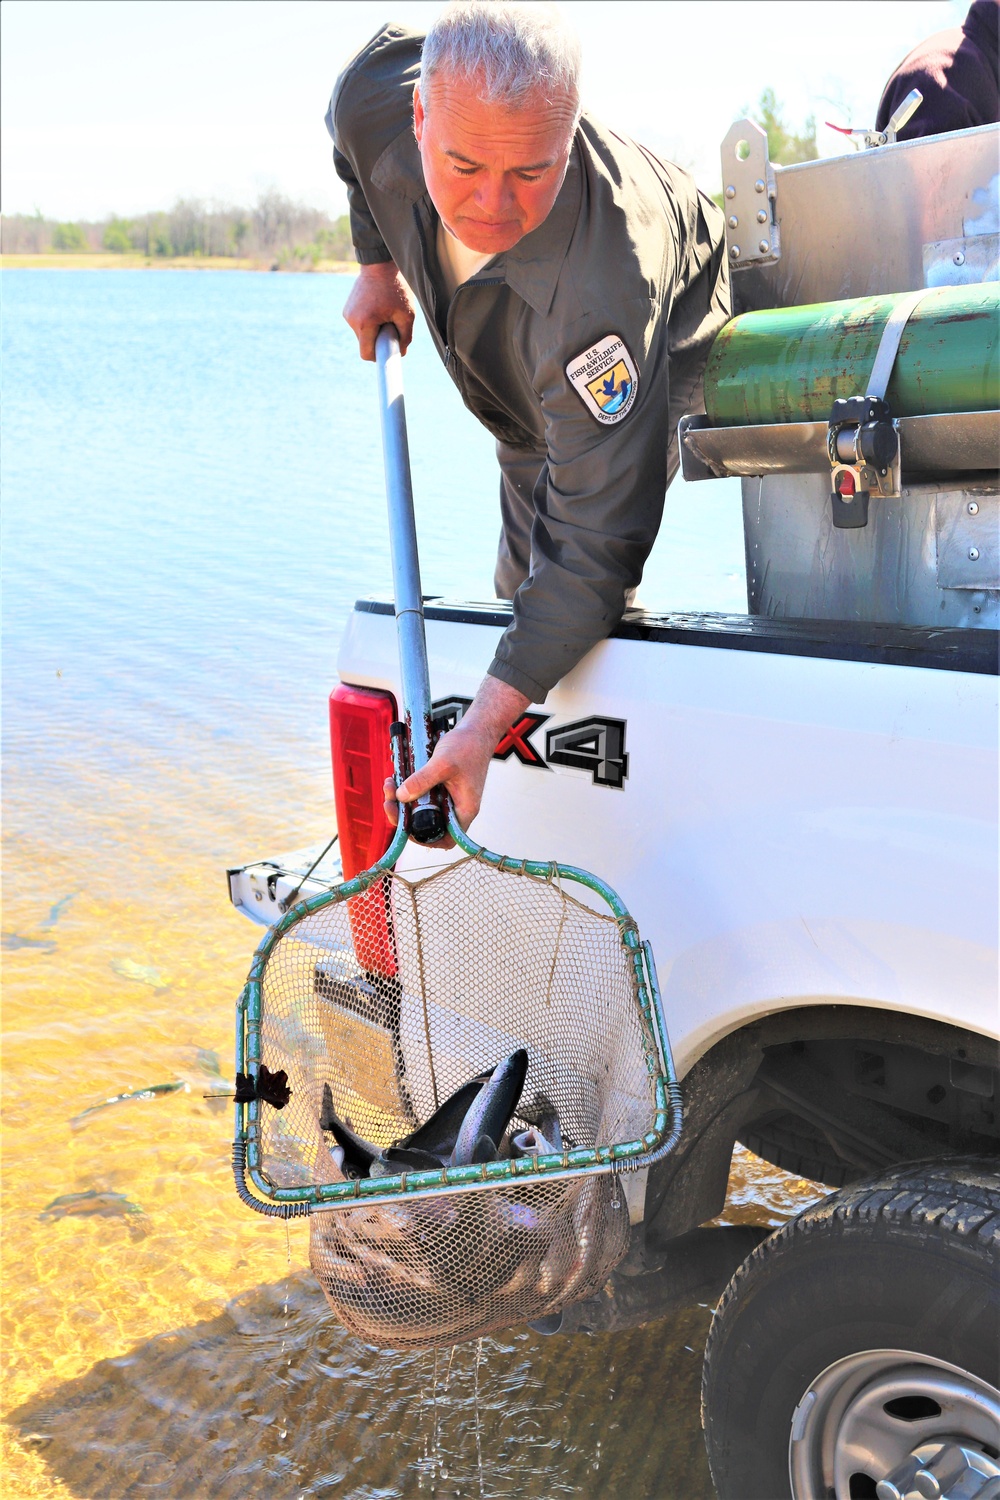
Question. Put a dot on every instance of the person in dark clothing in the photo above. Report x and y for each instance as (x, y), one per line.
(573, 284)
(956, 71)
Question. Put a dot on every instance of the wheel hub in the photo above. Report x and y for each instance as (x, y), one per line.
(937, 1470)
(889, 1424)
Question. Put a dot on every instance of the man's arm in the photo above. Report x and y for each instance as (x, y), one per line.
(599, 500)
(462, 757)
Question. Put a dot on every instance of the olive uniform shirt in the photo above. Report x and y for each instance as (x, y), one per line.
(579, 349)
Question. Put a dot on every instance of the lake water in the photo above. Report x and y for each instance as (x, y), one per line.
(191, 501)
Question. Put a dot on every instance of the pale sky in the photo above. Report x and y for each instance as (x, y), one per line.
(126, 105)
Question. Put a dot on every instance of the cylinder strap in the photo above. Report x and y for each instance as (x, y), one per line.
(888, 348)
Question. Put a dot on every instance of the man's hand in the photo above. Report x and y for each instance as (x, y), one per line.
(462, 757)
(380, 295)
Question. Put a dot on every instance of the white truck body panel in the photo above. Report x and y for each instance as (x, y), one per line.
(792, 830)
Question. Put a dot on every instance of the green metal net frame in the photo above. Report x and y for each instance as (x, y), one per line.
(656, 1143)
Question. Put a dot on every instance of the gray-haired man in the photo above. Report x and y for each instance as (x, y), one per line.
(573, 285)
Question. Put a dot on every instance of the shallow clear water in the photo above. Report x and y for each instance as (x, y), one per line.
(192, 500)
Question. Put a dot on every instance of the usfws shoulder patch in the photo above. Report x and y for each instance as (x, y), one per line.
(605, 378)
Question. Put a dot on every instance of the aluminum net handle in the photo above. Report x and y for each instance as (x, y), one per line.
(426, 819)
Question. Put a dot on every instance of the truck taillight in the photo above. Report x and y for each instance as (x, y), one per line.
(359, 741)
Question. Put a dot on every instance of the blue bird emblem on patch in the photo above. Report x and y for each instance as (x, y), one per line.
(612, 391)
(612, 397)
(605, 378)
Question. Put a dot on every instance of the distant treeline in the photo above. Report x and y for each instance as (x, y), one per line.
(275, 230)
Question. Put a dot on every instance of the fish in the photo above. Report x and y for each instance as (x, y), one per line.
(208, 1062)
(396, 1159)
(563, 1262)
(492, 1108)
(395, 1268)
(374, 1251)
(358, 1154)
(519, 1215)
(56, 911)
(91, 1204)
(327, 1159)
(575, 1272)
(490, 1254)
(151, 1091)
(127, 968)
(544, 1116)
(525, 1274)
(439, 1134)
(382, 1225)
(466, 1130)
(12, 941)
(407, 1274)
(336, 1267)
(533, 1143)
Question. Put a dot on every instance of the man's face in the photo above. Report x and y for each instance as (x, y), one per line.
(493, 173)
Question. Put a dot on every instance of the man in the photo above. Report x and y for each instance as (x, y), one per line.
(573, 285)
(956, 71)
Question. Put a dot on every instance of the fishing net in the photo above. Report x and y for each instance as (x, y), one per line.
(384, 999)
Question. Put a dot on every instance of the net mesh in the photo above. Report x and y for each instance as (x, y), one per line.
(393, 999)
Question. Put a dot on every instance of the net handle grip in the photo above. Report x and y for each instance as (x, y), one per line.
(427, 818)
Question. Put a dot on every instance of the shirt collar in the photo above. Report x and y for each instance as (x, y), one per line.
(532, 268)
(535, 264)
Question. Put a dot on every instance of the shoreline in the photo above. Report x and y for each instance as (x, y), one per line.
(96, 260)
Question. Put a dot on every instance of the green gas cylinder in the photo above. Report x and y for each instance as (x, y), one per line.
(790, 364)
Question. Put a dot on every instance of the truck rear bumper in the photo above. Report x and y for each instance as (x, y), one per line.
(266, 888)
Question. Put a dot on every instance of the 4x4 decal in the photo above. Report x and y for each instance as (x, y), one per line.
(596, 745)
(517, 742)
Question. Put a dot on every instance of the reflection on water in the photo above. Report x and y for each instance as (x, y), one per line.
(191, 501)
(269, 1396)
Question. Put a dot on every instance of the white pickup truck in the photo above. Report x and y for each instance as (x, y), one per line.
(798, 805)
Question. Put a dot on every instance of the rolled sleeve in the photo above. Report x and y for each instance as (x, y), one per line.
(505, 671)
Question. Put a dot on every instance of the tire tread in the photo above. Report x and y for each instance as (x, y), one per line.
(956, 1201)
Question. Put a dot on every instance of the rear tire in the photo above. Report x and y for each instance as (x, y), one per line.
(892, 1280)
